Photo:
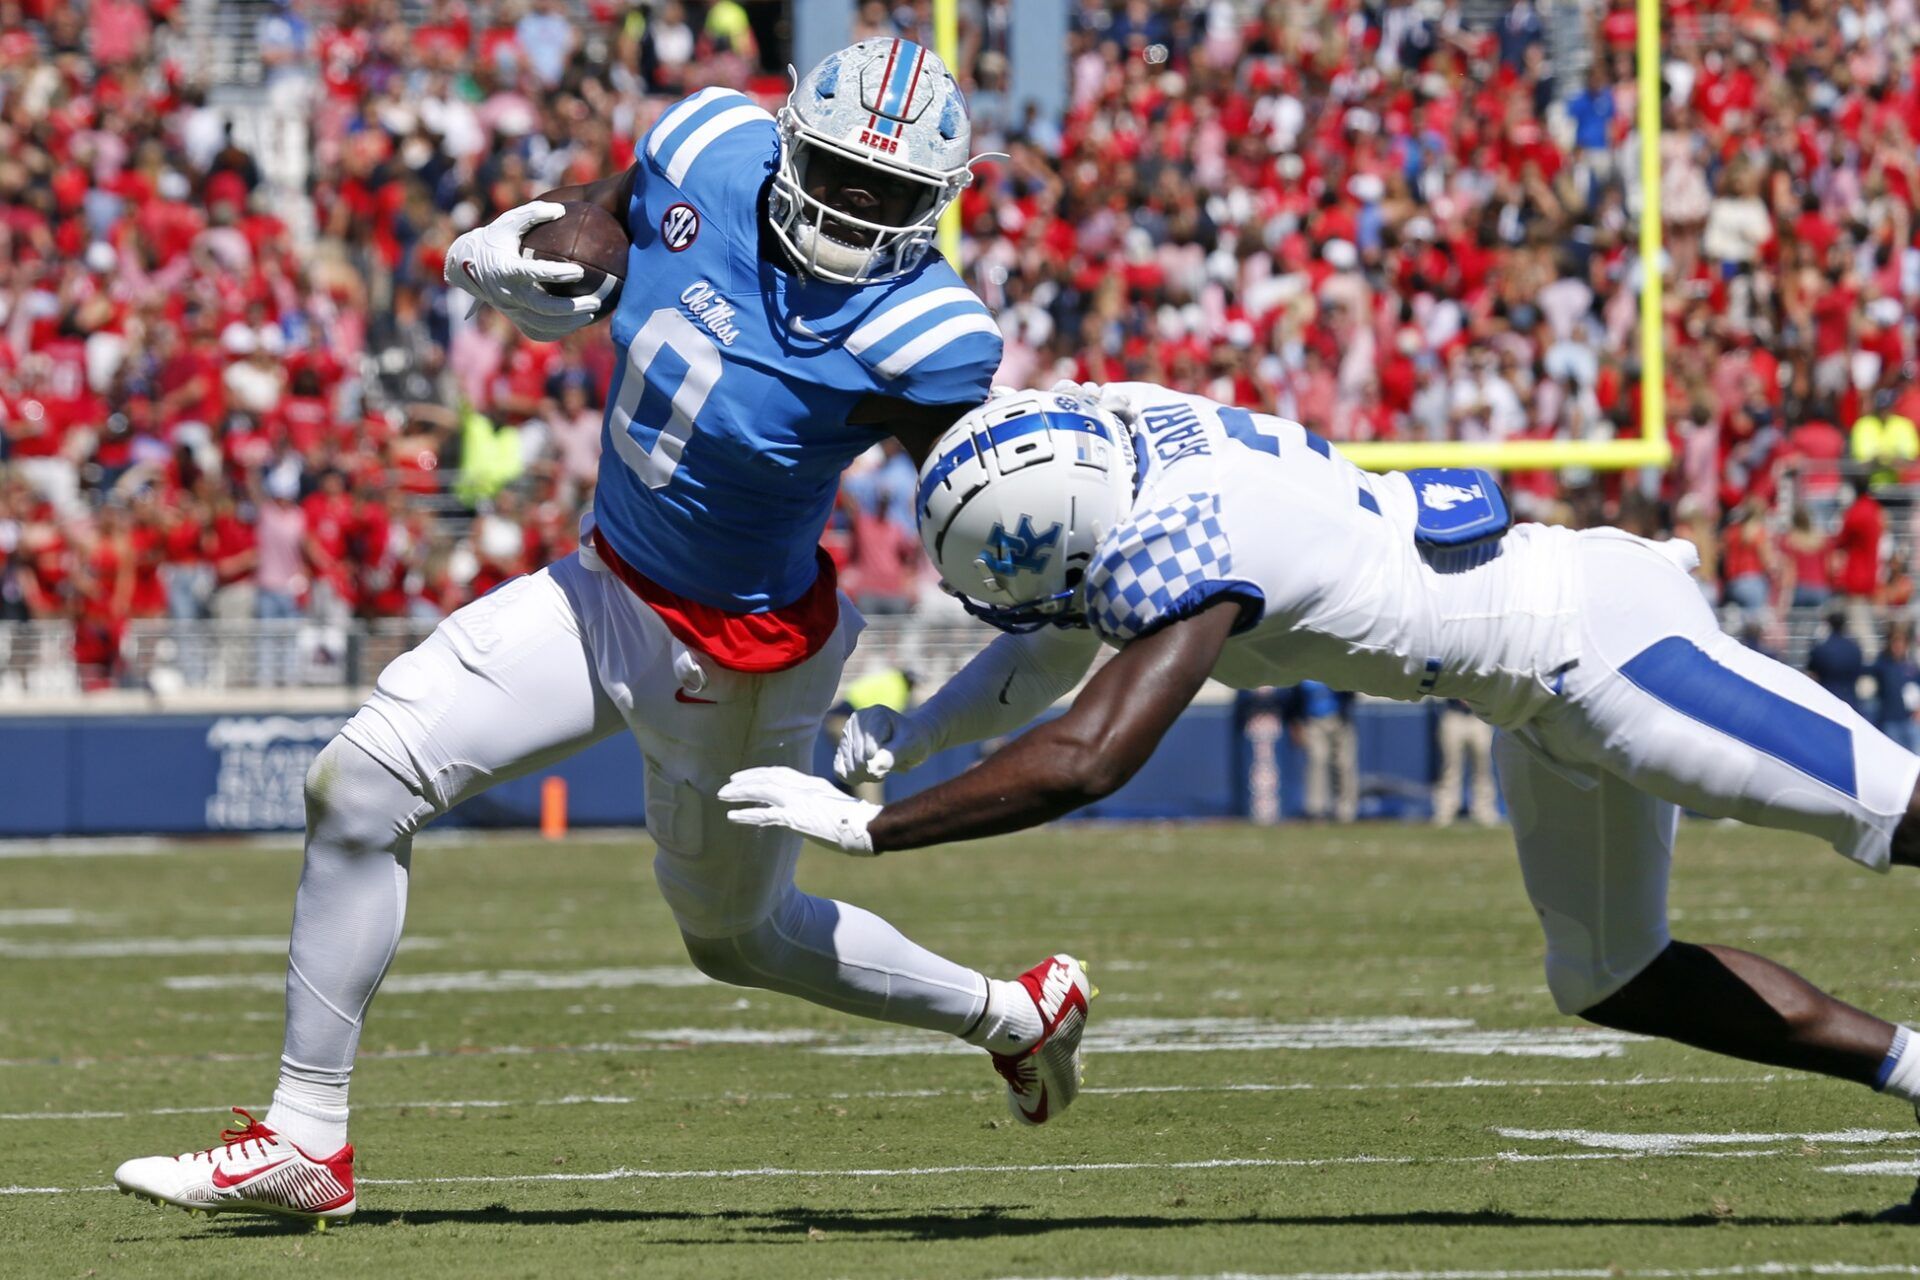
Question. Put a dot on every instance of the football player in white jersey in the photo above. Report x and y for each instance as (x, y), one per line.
(1206, 542)
(783, 312)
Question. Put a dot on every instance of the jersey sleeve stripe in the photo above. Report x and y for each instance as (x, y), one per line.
(687, 152)
(879, 352)
(934, 339)
(678, 115)
(890, 321)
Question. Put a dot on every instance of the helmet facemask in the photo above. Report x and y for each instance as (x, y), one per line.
(884, 118)
(833, 244)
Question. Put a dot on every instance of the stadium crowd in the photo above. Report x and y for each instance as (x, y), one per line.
(222, 396)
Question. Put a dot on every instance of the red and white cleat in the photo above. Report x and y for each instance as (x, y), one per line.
(1043, 1082)
(253, 1170)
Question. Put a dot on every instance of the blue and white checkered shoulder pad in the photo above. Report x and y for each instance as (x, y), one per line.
(1160, 566)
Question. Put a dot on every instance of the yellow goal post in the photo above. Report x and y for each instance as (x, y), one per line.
(1650, 449)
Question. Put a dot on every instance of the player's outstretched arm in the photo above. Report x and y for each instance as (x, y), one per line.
(1086, 754)
(1000, 690)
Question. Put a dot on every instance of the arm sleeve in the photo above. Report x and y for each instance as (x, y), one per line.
(1005, 686)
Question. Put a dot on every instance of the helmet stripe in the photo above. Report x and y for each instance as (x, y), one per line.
(999, 434)
(913, 82)
(886, 79)
(893, 101)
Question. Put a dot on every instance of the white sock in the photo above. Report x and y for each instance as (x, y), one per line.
(1900, 1073)
(309, 1110)
(1011, 1022)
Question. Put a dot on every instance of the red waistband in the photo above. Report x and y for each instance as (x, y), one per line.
(756, 643)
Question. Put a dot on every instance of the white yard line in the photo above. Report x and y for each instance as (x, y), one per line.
(131, 948)
(1878, 1168)
(1673, 1143)
(1453, 1036)
(935, 1171)
(985, 1086)
(13, 919)
(1561, 1273)
(254, 842)
(471, 981)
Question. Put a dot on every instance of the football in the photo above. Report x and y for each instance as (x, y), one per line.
(590, 236)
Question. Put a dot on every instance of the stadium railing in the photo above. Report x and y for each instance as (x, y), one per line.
(163, 663)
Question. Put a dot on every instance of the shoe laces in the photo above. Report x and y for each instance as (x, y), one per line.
(255, 1135)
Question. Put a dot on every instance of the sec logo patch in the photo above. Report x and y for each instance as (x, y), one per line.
(678, 226)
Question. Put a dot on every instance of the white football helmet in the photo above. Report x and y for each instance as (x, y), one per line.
(1015, 500)
(889, 105)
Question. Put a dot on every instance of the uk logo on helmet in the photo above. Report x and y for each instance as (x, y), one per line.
(1022, 551)
(678, 226)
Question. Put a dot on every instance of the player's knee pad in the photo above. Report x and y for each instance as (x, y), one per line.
(1584, 968)
(719, 878)
(354, 802)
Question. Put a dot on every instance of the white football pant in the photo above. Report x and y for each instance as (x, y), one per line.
(526, 676)
(1665, 711)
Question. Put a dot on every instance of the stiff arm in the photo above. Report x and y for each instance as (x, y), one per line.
(1054, 768)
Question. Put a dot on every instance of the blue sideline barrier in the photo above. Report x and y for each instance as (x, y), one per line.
(196, 774)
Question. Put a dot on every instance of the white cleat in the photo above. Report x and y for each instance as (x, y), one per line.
(1043, 1082)
(253, 1170)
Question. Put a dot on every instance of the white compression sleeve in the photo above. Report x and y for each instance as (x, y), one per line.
(1005, 686)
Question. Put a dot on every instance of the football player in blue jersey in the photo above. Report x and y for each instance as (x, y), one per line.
(782, 312)
(1202, 542)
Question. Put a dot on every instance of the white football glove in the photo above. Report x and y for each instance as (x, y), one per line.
(801, 802)
(877, 741)
(487, 262)
(1109, 397)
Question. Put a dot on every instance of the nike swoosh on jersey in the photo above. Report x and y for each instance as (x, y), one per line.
(223, 1182)
(1005, 688)
(681, 695)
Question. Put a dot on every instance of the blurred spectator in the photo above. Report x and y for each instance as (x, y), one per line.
(1321, 722)
(883, 564)
(1748, 559)
(1392, 222)
(1858, 546)
(1884, 440)
(1806, 558)
(279, 576)
(1896, 684)
(1836, 662)
(1463, 739)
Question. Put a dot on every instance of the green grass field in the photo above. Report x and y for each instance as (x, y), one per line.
(1316, 1051)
